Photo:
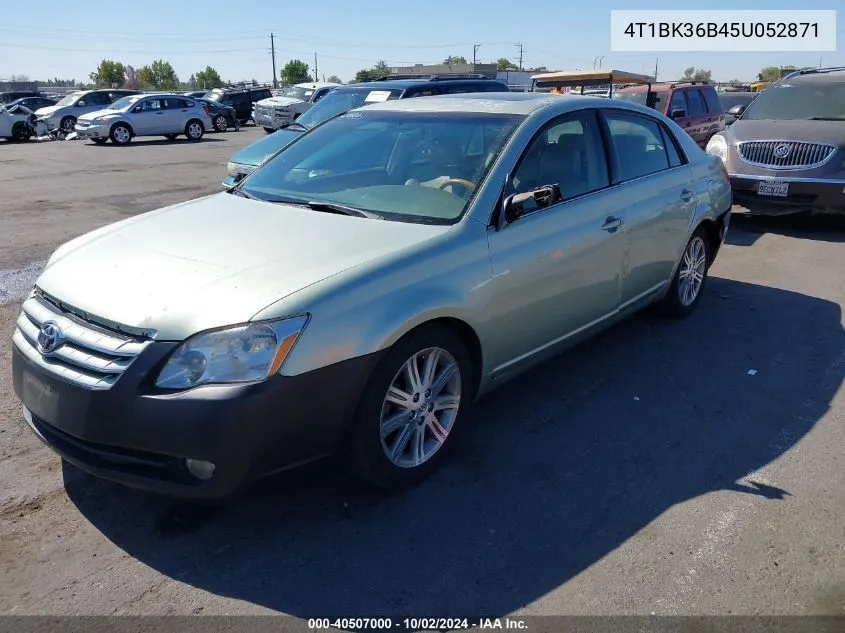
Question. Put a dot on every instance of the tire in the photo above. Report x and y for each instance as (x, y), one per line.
(170, 137)
(99, 141)
(121, 134)
(67, 124)
(683, 296)
(194, 130)
(220, 123)
(413, 422)
(269, 130)
(20, 133)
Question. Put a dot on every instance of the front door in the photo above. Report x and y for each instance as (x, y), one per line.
(148, 117)
(556, 270)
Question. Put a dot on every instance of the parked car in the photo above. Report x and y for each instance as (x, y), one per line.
(344, 98)
(786, 151)
(406, 258)
(63, 115)
(167, 115)
(241, 98)
(31, 103)
(283, 109)
(14, 95)
(222, 116)
(694, 106)
(14, 126)
(734, 103)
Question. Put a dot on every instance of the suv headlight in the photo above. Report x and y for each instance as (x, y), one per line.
(241, 353)
(718, 146)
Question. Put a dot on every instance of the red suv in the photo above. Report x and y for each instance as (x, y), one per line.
(694, 106)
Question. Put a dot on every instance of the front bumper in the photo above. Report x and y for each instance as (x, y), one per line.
(91, 131)
(139, 436)
(819, 195)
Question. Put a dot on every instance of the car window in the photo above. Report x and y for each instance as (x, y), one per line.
(151, 105)
(424, 93)
(695, 102)
(404, 166)
(569, 154)
(678, 102)
(99, 98)
(672, 151)
(639, 145)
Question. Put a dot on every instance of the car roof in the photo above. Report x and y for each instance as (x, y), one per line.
(316, 84)
(816, 77)
(520, 103)
(404, 84)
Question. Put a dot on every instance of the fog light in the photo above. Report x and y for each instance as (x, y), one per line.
(200, 469)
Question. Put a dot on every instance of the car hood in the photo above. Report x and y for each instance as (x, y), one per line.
(255, 153)
(829, 132)
(279, 101)
(213, 262)
(48, 111)
(90, 116)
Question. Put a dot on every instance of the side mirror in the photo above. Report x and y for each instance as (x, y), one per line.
(677, 113)
(80, 104)
(514, 205)
(737, 110)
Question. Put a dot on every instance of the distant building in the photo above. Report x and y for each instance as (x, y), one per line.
(9, 86)
(488, 70)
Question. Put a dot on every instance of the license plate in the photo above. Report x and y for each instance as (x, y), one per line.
(39, 397)
(777, 188)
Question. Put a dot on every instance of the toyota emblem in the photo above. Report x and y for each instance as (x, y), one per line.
(782, 151)
(49, 337)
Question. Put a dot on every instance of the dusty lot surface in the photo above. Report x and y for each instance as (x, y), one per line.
(646, 471)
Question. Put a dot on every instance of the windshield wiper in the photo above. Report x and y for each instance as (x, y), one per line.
(237, 191)
(332, 207)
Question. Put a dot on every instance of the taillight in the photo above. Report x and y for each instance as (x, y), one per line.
(205, 107)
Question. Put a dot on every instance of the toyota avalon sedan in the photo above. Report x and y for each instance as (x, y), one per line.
(357, 293)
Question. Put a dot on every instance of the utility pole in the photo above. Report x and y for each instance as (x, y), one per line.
(316, 76)
(656, 59)
(273, 55)
(474, 58)
(519, 46)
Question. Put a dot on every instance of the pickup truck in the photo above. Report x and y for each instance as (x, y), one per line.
(283, 109)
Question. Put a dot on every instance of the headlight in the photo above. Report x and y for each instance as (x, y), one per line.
(239, 169)
(242, 353)
(718, 146)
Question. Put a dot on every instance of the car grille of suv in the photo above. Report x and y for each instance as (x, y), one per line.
(785, 154)
(89, 356)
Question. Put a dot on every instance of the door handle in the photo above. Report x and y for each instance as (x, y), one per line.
(612, 223)
(686, 195)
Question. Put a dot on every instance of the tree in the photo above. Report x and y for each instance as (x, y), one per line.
(697, 74)
(295, 72)
(108, 74)
(381, 69)
(334, 79)
(503, 63)
(131, 80)
(159, 75)
(453, 60)
(207, 79)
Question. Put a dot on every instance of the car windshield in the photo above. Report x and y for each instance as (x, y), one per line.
(125, 102)
(814, 100)
(69, 100)
(296, 92)
(406, 166)
(337, 102)
(729, 100)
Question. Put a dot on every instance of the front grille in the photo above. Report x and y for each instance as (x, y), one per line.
(785, 154)
(262, 111)
(87, 355)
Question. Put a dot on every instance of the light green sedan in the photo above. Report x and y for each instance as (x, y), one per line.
(356, 293)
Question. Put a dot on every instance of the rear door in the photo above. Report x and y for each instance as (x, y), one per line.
(697, 115)
(177, 113)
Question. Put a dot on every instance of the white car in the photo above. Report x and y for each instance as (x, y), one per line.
(65, 113)
(14, 127)
(167, 115)
(281, 110)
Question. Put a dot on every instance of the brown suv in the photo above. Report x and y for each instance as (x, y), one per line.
(786, 151)
(694, 106)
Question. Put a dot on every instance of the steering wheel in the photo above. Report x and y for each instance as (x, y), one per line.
(458, 181)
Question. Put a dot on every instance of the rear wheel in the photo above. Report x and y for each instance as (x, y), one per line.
(411, 407)
(170, 137)
(194, 130)
(220, 123)
(690, 278)
(99, 141)
(120, 134)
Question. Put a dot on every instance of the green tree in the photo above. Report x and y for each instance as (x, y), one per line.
(159, 75)
(381, 69)
(452, 60)
(334, 79)
(769, 73)
(108, 73)
(503, 63)
(697, 74)
(208, 78)
(295, 72)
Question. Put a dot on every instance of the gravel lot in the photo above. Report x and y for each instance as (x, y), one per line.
(646, 471)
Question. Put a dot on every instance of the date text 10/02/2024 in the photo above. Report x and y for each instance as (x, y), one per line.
(416, 624)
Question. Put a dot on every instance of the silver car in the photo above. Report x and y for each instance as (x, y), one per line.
(167, 115)
(358, 291)
(65, 112)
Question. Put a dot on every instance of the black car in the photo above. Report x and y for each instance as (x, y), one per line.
(222, 116)
(240, 98)
(8, 97)
(32, 103)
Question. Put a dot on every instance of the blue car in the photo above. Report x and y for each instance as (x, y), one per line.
(345, 98)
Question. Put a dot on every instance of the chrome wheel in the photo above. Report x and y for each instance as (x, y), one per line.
(221, 124)
(420, 407)
(67, 124)
(194, 130)
(121, 134)
(693, 269)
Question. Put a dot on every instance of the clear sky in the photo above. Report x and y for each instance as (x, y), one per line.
(53, 38)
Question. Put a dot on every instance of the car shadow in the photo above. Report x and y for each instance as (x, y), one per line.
(746, 229)
(557, 470)
(161, 141)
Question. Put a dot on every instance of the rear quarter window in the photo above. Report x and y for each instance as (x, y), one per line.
(714, 104)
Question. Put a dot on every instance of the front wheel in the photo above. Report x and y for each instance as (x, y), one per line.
(120, 134)
(690, 278)
(20, 132)
(411, 408)
(269, 130)
(194, 130)
(99, 141)
(220, 123)
(170, 137)
(67, 124)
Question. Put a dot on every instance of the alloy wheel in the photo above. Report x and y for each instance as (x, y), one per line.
(693, 269)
